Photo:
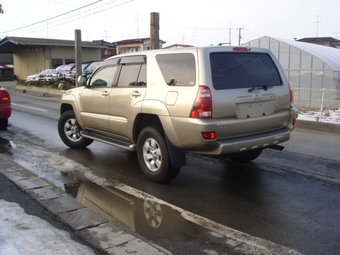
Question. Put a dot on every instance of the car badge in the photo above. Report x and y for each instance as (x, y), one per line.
(256, 95)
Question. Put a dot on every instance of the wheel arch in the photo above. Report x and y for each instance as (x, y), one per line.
(68, 106)
(177, 155)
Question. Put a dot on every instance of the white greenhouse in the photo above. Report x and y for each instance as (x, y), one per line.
(313, 70)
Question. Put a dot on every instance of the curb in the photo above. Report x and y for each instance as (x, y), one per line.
(108, 236)
(37, 91)
(318, 126)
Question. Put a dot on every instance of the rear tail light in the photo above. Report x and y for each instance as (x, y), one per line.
(291, 94)
(5, 98)
(294, 122)
(202, 107)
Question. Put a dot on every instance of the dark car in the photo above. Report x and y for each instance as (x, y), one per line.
(5, 107)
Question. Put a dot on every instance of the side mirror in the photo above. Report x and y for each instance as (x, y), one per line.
(61, 87)
(82, 80)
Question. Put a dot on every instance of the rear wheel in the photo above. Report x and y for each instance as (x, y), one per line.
(153, 156)
(3, 124)
(246, 156)
(69, 131)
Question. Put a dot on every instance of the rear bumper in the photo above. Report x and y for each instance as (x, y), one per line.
(5, 112)
(254, 142)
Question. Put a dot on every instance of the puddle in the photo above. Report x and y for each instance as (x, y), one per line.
(147, 217)
(5, 146)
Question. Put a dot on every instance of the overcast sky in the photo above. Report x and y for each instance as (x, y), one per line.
(193, 22)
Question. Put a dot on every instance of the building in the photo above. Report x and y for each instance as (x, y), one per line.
(134, 45)
(33, 55)
(313, 70)
(178, 46)
(108, 51)
(324, 41)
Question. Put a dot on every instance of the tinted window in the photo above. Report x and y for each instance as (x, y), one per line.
(177, 69)
(103, 77)
(243, 70)
(132, 75)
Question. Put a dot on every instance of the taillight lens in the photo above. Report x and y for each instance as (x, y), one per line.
(5, 98)
(209, 135)
(294, 122)
(202, 107)
(291, 94)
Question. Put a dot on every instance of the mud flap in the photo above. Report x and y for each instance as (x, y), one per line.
(177, 156)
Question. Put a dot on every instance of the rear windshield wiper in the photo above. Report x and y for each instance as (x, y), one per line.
(265, 87)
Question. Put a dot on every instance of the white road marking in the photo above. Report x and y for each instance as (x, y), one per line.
(33, 108)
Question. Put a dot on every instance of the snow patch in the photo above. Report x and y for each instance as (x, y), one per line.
(26, 234)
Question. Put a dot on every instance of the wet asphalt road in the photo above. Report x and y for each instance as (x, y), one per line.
(290, 197)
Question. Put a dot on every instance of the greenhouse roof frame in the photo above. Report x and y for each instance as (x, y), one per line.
(329, 55)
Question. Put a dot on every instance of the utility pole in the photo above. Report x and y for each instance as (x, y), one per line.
(317, 25)
(77, 53)
(154, 30)
(137, 26)
(239, 35)
(183, 37)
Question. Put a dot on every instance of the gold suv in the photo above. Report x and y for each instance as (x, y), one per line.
(230, 102)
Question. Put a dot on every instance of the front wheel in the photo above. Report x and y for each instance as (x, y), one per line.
(69, 131)
(153, 156)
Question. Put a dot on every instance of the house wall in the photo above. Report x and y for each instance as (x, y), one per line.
(133, 47)
(32, 61)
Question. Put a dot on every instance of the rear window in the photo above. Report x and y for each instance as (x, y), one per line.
(177, 69)
(243, 70)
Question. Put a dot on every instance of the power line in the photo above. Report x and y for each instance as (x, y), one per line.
(72, 18)
(52, 17)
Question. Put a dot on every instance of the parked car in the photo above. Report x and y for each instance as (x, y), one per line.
(5, 107)
(46, 75)
(91, 68)
(87, 69)
(49, 75)
(66, 71)
(223, 101)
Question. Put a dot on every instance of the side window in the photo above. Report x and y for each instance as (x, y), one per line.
(177, 69)
(142, 76)
(132, 75)
(104, 76)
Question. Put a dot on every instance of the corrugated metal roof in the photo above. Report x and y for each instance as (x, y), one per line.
(9, 44)
(136, 40)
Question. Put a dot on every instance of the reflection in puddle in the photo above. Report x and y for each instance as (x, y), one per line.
(144, 216)
(5, 146)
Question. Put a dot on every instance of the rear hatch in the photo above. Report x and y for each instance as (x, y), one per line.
(250, 92)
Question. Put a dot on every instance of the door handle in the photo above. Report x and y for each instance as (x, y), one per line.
(136, 94)
(105, 93)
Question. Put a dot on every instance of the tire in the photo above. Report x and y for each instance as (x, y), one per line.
(246, 156)
(151, 219)
(69, 131)
(3, 124)
(153, 156)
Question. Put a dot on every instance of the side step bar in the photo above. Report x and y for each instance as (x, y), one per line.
(109, 140)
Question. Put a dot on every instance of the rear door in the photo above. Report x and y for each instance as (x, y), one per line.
(127, 95)
(251, 93)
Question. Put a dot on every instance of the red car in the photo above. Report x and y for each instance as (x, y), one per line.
(5, 108)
